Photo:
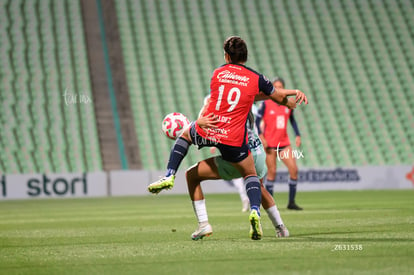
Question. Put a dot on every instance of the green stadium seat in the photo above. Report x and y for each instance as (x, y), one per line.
(28, 38)
(326, 52)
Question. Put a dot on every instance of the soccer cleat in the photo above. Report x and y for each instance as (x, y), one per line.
(201, 232)
(282, 231)
(294, 206)
(246, 204)
(161, 184)
(255, 226)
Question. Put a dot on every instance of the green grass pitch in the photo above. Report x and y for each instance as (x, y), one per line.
(151, 235)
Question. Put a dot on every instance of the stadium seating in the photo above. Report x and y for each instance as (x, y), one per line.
(43, 55)
(353, 58)
(155, 54)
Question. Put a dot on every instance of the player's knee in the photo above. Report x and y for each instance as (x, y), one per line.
(186, 135)
(191, 174)
(271, 171)
(293, 171)
(248, 172)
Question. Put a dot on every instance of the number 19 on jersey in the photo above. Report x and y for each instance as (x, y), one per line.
(233, 98)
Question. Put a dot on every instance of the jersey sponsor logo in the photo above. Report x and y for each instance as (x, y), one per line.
(233, 78)
(218, 131)
(224, 119)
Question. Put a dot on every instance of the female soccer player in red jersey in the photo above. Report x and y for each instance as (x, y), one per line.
(233, 89)
(276, 141)
(216, 168)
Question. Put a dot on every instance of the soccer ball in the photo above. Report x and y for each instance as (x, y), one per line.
(174, 124)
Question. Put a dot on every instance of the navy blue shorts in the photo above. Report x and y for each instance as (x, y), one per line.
(228, 153)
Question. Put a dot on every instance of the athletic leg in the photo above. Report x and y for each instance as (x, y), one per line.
(271, 163)
(203, 170)
(271, 169)
(267, 199)
(178, 152)
(273, 213)
(247, 169)
(290, 163)
(239, 184)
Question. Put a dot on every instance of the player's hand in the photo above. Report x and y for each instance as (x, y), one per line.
(291, 103)
(300, 97)
(298, 141)
(263, 140)
(208, 121)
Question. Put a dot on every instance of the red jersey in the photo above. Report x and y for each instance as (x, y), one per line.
(232, 92)
(275, 118)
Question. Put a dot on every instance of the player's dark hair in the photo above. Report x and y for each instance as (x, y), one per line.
(236, 48)
(281, 80)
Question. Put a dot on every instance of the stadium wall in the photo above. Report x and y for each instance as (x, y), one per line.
(134, 182)
(60, 185)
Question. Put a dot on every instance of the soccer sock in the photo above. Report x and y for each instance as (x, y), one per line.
(239, 184)
(269, 185)
(200, 211)
(253, 192)
(292, 189)
(274, 215)
(177, 154)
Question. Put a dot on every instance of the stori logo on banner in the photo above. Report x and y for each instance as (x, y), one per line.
(53, 185)
(58, 186)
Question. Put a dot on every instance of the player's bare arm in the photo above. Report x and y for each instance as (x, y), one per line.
(279, 99)
(298, 141)
(299, 95)
(206, 121)
(261, 96)
(280, 96)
